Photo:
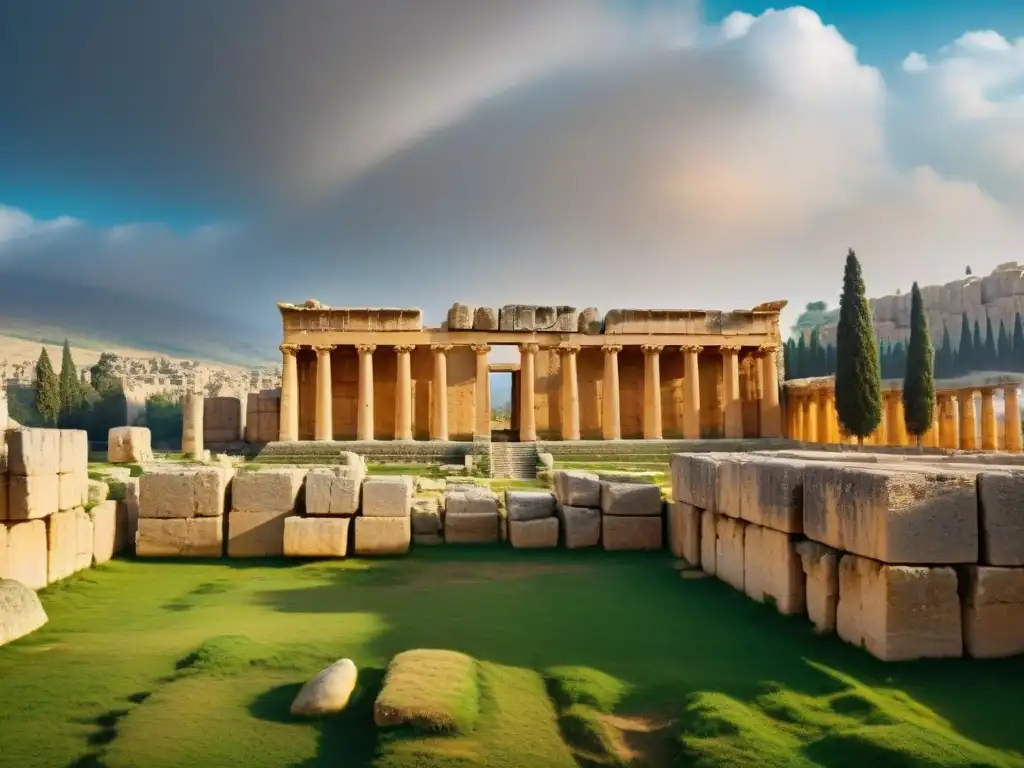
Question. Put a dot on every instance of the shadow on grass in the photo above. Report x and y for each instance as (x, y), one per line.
(347, 738)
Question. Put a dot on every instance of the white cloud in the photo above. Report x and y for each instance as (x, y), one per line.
(915, 62)
(15, 224)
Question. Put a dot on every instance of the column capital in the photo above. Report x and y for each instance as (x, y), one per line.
(612, 349)
(480, 349)
(987, 391)
(694, 349)
(966, 392)
(766, 349)
(324, 349)
(289, 349)
(567, 349)
(1011, 388)
(730, 349)
(529, 347)
(404, 349)
(366, 348)
(441, 347)
(652, 349)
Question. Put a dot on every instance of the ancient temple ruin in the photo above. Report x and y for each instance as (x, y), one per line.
(379, 374)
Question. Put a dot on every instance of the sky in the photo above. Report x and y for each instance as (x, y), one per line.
(219, 157)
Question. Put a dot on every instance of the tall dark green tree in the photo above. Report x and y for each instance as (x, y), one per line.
(788, 355)
(944, 360)
(71, 394)
(1018, 343)
(830, 360)
(858, 382)
(814, 353)
(919, 379)
(801, 358)
(991, 353)
(47, 390)
(965, 354)
(1005, 350)
(978, 362)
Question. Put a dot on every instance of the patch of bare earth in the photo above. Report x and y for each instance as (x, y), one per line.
(643, 741)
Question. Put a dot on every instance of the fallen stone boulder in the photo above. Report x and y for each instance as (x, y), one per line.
(329, 692)
(21, 612)
(577, 489)
(129, 445)
(581, 526)
(993, 611)
(631, 499)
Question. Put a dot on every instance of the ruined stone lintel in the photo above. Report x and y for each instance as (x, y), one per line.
(652, 349)
(730, 349)
(480, 349)
(694, 348)
(405, 348)
(289, 349)
(612, 349)
(366, 348)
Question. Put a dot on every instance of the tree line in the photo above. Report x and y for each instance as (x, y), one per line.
(93, 400)
(1002, 351)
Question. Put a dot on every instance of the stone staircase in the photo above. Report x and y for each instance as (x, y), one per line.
(514, 460)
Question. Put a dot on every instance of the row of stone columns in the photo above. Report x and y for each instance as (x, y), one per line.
(812, 417)
(611, 420)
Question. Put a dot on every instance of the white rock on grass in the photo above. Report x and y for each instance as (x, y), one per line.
(327, 693)
(21, 612)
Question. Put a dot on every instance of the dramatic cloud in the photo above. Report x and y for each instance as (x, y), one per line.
(503, 152)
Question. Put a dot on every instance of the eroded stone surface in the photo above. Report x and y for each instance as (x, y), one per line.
(729, 550)
(708, 542)
(256, 534)
(33, 496)
(471, 527)
(772, 493)
(533, 533)
(104, 531)
(129, 445)
(386, 535)
(821, 572)
(72, 488)
(169, 492)
(631, 532)
(315, 536)
(387, 496)
(993, 611)
(629, 499)
(33, 451)
(426, 516)
(27, 553)
(333, 490)
(581, 526)
(529, 505)
(899, 612)
(577, 489)
(470, 500)
(684, 531)
(772, 569)
(180, 537)
(1001, 506)
(74, 450)
(695, 479)
(267, 490)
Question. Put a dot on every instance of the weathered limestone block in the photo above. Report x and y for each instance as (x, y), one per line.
(27, 558)
(315, 536)
(387, 496)
(893, 516)
(383, 535)
(590, 321)
(529, 505)
(256, 534)
(567, 319)
(267, 491)
(83, 540)
(30, 497)
(772, 569)
(899, 612)
(104, 531)
(684, 531)
(631, 499)
(460, 317)
(3, 551)
(470, 500)
(643, 478)
(695, 479)
(223, 419)
(772, 493)
(729, 551)
(4, 494)
(333, 490)
(183, 492)
(581, 526)
(430, 484)
(821, 572)
(72, 488)
(124, 533)
(729, 478)
(485, 319)
(74, 450)
(708, 542)
(471, 527)
(329, 691)
(62, 545)
(129, 445)
(428, 539)
(95, 491)
(33, 451)
(131, 503)
(577, 489)
(533, 533)
(993, 611)
(426, 516)
(21, 612)
(631, 532)
(1001, 501)
(180, 537)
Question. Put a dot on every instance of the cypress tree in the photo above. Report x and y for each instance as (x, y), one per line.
(944, 361)
(47, 390)
(813, 350)
(71, 394)
(1005, 351)
(991, 353)
(830, 360)
(918, 381)
(978, 360)
(801, 358)
(858, 383)
(965, 355)
(1018, 343)
(788, 354)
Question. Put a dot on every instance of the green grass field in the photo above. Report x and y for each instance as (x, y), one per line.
(583, 658)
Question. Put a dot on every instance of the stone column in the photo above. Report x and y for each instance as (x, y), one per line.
(652, 391)
(691, 392)
(968, 427)
(771, 413)
(364, 416)
(988, 420)
(192, 425)
(733, 407)
(324, 429)
(482, 391)
(810, 432)
(948, 435)
(440, 425)
(403, 393)
(824, 417)
(527, 392)
(892, 417)
(611, 419)
(570, 394)
(289, 427)
(798, 417)
(1011, 419)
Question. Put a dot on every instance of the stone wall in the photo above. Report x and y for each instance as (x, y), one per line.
(917, 558)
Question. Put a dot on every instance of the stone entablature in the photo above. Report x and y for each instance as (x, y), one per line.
(370, 373)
